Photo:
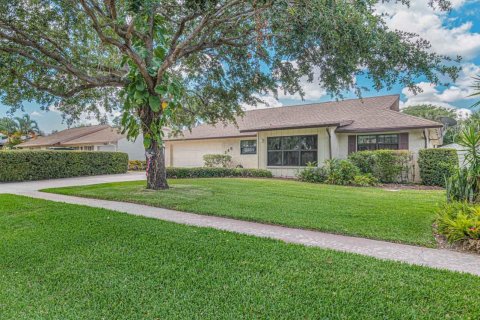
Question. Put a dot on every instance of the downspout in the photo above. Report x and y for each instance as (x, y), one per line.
(258, 152)
(425, 137)
(329, 143)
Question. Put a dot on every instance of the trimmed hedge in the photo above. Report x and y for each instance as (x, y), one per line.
(436, 165)
(204, 172)
(39, 165)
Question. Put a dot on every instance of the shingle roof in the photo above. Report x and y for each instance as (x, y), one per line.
(354, 115)
(81, 135)
(206, 131)
(106, 135)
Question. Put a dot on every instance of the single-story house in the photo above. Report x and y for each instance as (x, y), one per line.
(90, 138)
(285, 139)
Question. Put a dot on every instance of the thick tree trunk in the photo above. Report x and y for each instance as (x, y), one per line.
(156, 170)
(155, 154)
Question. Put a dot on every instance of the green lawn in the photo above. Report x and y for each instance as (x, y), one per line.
(401, 216)
(60, 261)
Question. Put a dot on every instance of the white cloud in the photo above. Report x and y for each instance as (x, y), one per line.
(432, 25)
(90, 118)
(431, 94)
(269, 102)
(313, 91)
(36, 114)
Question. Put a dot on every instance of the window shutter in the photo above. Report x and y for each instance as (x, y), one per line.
(352, 144)
(403, 141)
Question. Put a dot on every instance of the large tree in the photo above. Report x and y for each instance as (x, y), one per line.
(177, 62)
(430, 112)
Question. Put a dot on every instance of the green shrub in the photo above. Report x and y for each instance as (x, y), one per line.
(364, 160)
(341, 172)
(217, 160)
(203, 172)
(137, 165)
(392, 165)
(334, 171)
(459, 221)
(365, 180)
(437, 165)
(386, 166)
(313, 173)
(38, 165)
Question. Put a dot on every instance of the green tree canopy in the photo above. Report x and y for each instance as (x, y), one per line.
(177, 62)
(430, 112)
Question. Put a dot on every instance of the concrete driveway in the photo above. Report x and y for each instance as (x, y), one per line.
(21, 187)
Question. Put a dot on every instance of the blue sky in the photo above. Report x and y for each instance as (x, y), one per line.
(452, 34)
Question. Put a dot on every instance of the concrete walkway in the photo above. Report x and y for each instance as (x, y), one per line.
(436, 258)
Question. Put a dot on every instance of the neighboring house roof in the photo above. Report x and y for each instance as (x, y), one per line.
(76, 136)
(374, 114)
(106, 135)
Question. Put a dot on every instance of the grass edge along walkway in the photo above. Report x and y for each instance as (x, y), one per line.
(404, 216)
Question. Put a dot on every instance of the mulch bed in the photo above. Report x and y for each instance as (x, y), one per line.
(470, 245)
(398, 186)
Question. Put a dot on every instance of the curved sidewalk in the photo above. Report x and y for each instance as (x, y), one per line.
(435, 258)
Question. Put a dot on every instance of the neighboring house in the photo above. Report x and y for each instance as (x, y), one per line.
(287, 138)
(460, 151)
(92, 138)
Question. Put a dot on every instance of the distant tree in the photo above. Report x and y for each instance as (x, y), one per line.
(435, 113)
(430, 112)
(174, 62)
(26, 126)
(8, 126)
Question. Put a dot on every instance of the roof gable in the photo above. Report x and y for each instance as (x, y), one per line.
(62, 136)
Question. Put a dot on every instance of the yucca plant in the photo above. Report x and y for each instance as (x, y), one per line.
(464, 185)
(460, 186)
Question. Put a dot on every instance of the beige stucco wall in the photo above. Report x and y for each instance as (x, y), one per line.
(189, 153)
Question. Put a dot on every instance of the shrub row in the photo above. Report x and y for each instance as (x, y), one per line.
(204, 172)
(38, 165)
(437, 165)
(387, 166)
(340, 172)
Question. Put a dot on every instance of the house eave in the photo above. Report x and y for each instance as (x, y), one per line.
(211, 138)
(308, 126)
(385, 129)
